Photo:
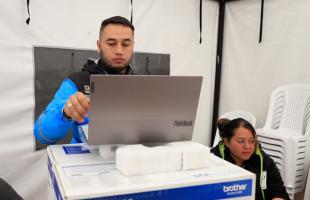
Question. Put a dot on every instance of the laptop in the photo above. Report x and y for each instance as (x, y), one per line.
(142, 108)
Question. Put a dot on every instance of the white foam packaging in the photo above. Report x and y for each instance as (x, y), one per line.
(77, 171)
(194, 155)
(139, 159)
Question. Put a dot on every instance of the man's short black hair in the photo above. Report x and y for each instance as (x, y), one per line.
(117, 20)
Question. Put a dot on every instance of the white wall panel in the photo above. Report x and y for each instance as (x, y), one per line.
(251, 70)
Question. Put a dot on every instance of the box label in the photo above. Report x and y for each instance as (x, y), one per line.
(75, 149)
(223, 190)
(54, 182)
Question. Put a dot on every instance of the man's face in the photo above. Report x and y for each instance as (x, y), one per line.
(115, 46)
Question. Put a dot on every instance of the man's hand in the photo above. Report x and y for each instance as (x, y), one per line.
(77, 107)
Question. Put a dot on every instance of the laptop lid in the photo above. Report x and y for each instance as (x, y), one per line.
(142, 109)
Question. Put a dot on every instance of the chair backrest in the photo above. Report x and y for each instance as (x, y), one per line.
(233, 115)
(289, 108)
(307, 190)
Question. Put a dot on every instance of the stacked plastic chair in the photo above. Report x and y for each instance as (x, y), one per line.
(307, 190)
(233, 115)
(285, 136)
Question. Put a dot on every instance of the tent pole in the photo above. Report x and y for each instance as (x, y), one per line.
(218, 69)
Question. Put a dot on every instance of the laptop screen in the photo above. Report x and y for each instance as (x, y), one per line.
(142, 109)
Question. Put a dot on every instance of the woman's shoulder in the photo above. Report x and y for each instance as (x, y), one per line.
(216, 150)
(268, 161)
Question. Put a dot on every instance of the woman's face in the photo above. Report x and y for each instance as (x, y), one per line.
(241, 145)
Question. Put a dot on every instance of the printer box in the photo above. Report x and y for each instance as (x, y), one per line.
(77, 171)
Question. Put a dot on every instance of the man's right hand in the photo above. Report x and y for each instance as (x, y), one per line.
(77, 107)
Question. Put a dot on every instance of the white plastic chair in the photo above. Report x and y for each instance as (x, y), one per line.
(234, 115)
(285, 134)
(307, 190)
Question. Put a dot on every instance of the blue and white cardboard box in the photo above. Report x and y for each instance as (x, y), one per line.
(77, 171)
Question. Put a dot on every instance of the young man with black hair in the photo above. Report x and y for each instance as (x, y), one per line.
(70, 105)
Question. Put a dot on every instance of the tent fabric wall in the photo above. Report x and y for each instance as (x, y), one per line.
(251, 70)
(161, 27)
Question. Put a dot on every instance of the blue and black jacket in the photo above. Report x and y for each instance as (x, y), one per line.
(51, 126)
(258, 164)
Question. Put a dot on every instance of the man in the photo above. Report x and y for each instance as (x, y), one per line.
(70, 105)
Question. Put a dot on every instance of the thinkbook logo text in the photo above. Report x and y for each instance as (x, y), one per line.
(183, 123)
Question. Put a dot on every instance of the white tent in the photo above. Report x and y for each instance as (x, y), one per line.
(250, 70)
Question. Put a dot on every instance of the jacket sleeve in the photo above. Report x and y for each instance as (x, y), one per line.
(275, 185)
(51, 126)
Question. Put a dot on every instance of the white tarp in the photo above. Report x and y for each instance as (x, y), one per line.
(251, 70)
(161, 27)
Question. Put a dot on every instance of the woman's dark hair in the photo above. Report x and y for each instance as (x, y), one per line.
(228, 127)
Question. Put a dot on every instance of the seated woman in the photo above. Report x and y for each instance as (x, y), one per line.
(240, 147)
